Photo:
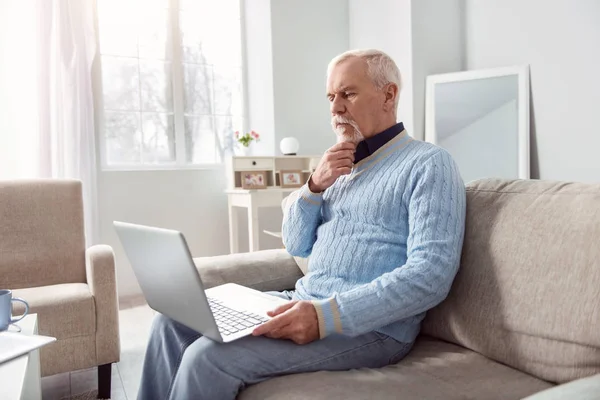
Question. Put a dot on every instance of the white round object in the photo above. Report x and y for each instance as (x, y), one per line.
(289, 146)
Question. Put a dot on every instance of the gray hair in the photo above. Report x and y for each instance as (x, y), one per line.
(380, 68)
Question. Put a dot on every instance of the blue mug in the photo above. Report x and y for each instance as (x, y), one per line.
(6, 300)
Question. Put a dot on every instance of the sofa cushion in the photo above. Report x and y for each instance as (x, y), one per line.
(581, 389)
(432, 370)
(64, 311)
(265, 270)
(527, 293)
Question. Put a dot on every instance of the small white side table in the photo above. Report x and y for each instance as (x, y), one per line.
(20, 379)
(252, 200)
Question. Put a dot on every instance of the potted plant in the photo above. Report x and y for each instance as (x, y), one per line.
(244, 140)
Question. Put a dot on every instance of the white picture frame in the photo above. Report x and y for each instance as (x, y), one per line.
(522, 73)
(291, 178)
(254, 179)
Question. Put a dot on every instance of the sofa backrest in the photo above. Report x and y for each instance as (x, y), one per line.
(285, 206)
(42, 240)
(527, 293)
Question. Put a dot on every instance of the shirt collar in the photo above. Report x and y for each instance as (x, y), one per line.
(369, 146)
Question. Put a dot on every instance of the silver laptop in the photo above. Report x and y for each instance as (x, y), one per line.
(164, 268)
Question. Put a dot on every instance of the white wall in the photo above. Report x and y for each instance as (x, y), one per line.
(437, 47)
(306, 35)
(256, 21)
(422, 36)
(386, 25)
(191, 201)
(560, 40)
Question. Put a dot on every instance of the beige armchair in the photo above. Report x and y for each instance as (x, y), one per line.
(72, 289)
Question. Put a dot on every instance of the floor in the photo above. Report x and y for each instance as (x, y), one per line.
(135, 318)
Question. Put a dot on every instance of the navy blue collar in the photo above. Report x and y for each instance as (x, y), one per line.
(369, 146)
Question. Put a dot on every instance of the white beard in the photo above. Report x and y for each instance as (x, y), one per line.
(354, 136)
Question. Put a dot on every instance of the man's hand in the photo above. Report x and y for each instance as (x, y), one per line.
(336, 161)
(296, 320)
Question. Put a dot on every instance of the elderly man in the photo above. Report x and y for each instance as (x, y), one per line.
(382, 219)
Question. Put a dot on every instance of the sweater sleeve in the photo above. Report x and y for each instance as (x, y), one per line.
(301, 219)
(436, 212)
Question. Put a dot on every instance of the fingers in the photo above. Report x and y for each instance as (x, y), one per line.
(276, 334)
(334, 155)
(336, 161)
(343, 156)
(291, 331)
(281, 309)
(283, 333)
(341, 164)
(299, 324)
(335, 170)
(342, 146)
(340, 167)
(344, 170)
(274, 324)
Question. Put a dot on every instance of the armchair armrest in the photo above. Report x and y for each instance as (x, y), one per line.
(101, 279)
(580, 389)
(262, 270)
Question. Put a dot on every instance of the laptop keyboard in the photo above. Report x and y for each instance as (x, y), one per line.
(230, 321)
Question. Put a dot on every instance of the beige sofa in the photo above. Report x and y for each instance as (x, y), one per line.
(522, 318)
(72, 289)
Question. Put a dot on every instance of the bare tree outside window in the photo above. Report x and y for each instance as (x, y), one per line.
(172, 89)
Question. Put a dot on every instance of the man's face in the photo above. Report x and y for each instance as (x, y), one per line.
(356, 104)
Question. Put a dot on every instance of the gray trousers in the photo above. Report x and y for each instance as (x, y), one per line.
(182, 364)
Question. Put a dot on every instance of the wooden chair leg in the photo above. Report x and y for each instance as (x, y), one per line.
(104, 377)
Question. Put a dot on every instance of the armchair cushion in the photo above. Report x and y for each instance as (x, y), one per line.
(64, 311)
(68, 313)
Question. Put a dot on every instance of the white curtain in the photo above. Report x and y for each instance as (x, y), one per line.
(18, 90)
(66, 47)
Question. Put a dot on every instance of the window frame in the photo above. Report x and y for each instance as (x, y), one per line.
(180, 162)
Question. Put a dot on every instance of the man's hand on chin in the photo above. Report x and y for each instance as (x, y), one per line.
(296, 321)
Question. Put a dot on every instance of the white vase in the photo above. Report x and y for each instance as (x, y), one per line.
(241, 150)
(289, 146)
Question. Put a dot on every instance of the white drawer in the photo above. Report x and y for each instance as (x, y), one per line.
(249, 163)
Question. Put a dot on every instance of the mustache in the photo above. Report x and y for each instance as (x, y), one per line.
(355, 136)
(338, 119)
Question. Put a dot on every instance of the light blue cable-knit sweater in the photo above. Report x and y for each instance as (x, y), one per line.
(384, 242)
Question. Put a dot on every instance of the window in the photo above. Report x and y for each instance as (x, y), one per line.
(172, 90)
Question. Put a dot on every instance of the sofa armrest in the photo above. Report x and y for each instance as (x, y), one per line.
(264, 270)
(580, 389)
(101, 279)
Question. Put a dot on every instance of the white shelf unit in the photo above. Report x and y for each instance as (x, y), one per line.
(271, 165)
(253, 199)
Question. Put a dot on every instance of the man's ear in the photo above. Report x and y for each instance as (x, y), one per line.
(391, 92)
